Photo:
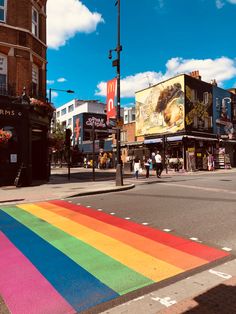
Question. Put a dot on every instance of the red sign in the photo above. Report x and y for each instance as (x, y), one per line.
(77, 130)
(111, 92)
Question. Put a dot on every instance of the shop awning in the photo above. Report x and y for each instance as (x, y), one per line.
(153, 140)
(174, 138)
(201, 138)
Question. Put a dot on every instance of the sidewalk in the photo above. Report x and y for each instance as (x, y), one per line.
(81, 184)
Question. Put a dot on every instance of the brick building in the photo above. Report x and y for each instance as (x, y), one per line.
(24, 111)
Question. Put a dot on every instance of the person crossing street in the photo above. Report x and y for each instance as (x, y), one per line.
(159, 166)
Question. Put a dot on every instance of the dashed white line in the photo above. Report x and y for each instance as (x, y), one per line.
(220, 274)
(167, 230)
(112, 213)
(145, 223)
(100, 210)
(227, 249)
(127, 218)
(165, 301)
(88, 206)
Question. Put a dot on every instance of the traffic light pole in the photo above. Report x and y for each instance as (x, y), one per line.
(119, 171)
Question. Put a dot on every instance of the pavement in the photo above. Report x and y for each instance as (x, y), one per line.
(209, 291)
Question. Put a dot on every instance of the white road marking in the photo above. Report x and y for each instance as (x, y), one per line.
(78, 204)
(220, 274)
(194, 239)
(165, 301)
(100, 210)
(127, 218)
(195, 187)
(112, 213)
(167, 230)
(145, 223)
(227, 249)
(88, 206)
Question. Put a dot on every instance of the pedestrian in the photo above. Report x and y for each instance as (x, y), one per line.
(137, 167)
(147, 165)
(159, 166)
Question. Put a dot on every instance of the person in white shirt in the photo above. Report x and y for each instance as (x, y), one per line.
(137, 167)
(159, 166)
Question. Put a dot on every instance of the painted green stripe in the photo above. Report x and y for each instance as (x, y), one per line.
(109, 271)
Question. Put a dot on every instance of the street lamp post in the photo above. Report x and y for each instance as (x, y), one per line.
(69, 91)
(119, 174)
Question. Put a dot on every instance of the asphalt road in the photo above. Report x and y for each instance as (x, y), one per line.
(198, 206)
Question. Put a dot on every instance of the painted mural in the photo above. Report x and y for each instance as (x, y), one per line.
(198, 105)
(160, 108)
(222, 113)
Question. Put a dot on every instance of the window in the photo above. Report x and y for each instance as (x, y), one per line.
(58, 114)
(3, 74)
(205, 98)
(70, 108)
(70, 121)
(63, 112)
(193, 95)
(2, 10)
(35, 22)
(35, 80)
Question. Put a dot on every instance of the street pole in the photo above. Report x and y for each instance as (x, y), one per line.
(119, 174)
(93, 136)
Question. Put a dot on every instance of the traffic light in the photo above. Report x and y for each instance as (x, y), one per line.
(68, 135)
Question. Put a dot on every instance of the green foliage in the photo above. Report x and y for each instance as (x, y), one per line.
(57, 137)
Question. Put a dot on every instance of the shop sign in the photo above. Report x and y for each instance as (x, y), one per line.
(99, 122)
(8, 113)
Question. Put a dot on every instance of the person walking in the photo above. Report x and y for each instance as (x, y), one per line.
(137, 167)
(159, 166)
(147, 165)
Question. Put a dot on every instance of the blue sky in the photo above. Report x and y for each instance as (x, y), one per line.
(160, 39)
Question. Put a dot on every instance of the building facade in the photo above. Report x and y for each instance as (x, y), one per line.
(188, 119)
(87, 121)
(24, 111)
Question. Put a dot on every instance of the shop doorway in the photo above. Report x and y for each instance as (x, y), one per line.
(38, 155)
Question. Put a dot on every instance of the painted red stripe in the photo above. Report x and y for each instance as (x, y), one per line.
(185, 245)
(23, 287)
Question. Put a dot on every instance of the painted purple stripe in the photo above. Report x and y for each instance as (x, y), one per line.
(22, 286)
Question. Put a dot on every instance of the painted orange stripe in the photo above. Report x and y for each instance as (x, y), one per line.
(175, 257)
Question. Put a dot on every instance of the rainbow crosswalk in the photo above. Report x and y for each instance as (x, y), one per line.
(57, 257)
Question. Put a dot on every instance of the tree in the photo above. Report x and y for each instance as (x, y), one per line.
(57, 142)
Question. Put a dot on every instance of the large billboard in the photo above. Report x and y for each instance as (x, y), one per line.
(160, 108)
(198, 105)
(222, 113)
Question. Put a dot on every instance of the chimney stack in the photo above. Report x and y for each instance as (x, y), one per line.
(196, 75)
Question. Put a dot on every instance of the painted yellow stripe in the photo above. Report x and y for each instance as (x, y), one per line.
(142, 263)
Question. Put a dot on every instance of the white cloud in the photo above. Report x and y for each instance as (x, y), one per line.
(50, 82)
(66, 18)
(219, 4)
(61, 80)
(221, 69)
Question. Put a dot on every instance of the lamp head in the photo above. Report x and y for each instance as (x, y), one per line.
(110, 54)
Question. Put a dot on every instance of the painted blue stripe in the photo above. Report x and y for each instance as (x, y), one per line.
(75, 284)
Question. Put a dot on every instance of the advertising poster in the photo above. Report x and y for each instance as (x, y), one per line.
(222, 113)
(198, 105)
(160, 108)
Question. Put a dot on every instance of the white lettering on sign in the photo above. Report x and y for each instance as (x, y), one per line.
(110, 104)
(165, 301)
(4, 112)
(97, 122)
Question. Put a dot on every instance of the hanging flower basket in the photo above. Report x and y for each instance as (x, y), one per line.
(4, 136)
(41, 107)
